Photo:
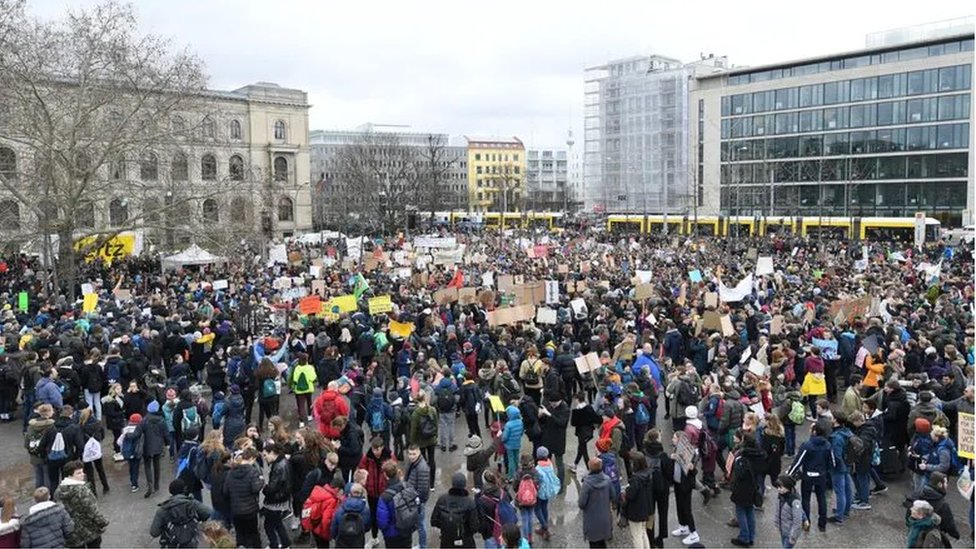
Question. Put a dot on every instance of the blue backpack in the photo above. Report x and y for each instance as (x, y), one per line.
(642, 416)
(377, 420)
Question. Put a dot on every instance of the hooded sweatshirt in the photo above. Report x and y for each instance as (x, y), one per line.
(513, 430)
(816, 458)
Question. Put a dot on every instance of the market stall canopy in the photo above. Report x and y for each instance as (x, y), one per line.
(194, 255)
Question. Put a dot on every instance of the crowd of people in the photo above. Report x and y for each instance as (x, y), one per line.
(843, 366)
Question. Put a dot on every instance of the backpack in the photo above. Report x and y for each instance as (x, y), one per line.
(92, 451)
(57, 452)
(314, 512)
(531, 376)
(550, 484)
(509, 389)
(426, 428)
(504, 514)
(642, 416)
(797, 413)
(377, 420)
(451, 523)
(658, 483)
(269, 388)
(610, 467)
(188, 462)
(527, 493)
(933, 537)
(130, 445)
(351, 531)
(201, 468)
(190, 420)
(301, 383)
(707, 447)
(445, 401)
(855, 451)
(32, 441)
(406, 504)
(180, 533)
(956, 465)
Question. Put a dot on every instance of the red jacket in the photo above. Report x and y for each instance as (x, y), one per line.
(376, 480)
(327, 407)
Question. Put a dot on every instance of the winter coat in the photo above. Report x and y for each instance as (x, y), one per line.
(814, 458)
(639, 497)
(350, 446)
(153, 432)
(512, 432)
(74, 442)
(375, 479)
(112, 412)
(47, 392)
(869, 434)
(744, 488)
(241, 487)
(418, 477)
(456, 533)
(10, 533)
(134, 403)
(92, 377)
(585, 420)
(79, 501)
(278, 488)
(554, 428)
(415, 426)
(937, 498)
(47, 525)
(233, 423)
(178, 509)
(896, 412)
(470, 397)
(217, 496)
(789, 516)
(340, 407)
(838, 446)
(594, 503)
(35, 426)
(386, 511)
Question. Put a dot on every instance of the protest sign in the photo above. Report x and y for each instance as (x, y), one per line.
(643, 291)
(506, 283)
(757, 368)
(776, 326)
(310, 305)
(552, 292)
(380, 304)
(741, 290)
(345, 303)
(488, 279)
(562, 268)
(23, 301)
(435, 242)
(711, 320)
(764, 265)
(540, 251)
(87, 288)
(545, 315)
(644, 276)
(295, 257)
(318, 287)
(445, 296)
(278, 254)
(467, 296)
(578, 306)
(727, 329)
(122, 294)
(651, 319)
(89, 303)
(401, 330)
(711, 300)
(220, 284)
(116, 248)
(587, 363)
(695, 276)
(496, 403)
(965, 427)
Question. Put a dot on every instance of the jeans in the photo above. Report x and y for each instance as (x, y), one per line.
(40, 476)
(274, 528)
(94, 401)
(133, 472)
(445, 429)
(246, 530)
(746, 515)
(171, 442)
(818, 487)
(428, 454)
(844, 492)
(786, 542)
(525, 514)
(29, 399)
(862, 483)
(511, 462)
(542, 513)
(491, 543)
(422, 527)
(876, 476)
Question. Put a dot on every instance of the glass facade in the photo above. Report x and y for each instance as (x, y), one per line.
(886, 145)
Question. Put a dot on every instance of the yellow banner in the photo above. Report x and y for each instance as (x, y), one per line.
(380, 304)
(344, 303)
(118, 247)
(497, 405)
(401, 329)
(90, 303)
(326, 312)
(965, 425)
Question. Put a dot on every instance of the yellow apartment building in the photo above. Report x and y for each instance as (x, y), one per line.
(496, 174)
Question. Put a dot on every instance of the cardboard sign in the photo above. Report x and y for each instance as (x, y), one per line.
(295, 257)
(587, 363)
(310, 305)
(445, 296)
(711, 320)
(562, 268)
(486, 298)
(757, 368)
(966, 438)
(496, 403)
(122, 294)
(467, 296)
(511, 315)
(643, 291)
(380, 304)
(727, 328)
(318, 287)
(545, 315)
(578, 306)
(401, 330)
(764, 266)
(506, 283)
(644, 276)
(711, 300)
(776, 326)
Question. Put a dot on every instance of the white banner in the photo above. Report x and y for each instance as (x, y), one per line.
(449, 257)
(764, 265)
(552, 292)
(741, 290)
(354, 248)
(278, 254)
(435, 242)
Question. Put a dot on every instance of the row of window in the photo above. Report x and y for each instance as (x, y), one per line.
(889, 113)
(919, 138)
(495, 157)
(859, 199)
(924, 166)
(118, 212)
(853, 61)
(235, 130)
(498, 169)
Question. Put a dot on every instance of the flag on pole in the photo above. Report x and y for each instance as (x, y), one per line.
(360, 286)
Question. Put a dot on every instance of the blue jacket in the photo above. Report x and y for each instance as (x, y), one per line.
(378, 404)
(219, 407)
(351, 505)
(815, 458)
(385, 511)
(513, 430)
(838, 444)
(47, 391)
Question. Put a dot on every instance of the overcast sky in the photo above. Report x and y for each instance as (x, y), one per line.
(494, 68)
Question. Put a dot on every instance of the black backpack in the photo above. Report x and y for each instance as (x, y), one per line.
(181, 531)
(426, 427)
(445, 401)
(351, 531)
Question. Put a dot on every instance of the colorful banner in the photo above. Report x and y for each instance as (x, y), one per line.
(401, 330)
(118, 247)
(310, 305)
(380, 304)
(90, 303)
(344, 304)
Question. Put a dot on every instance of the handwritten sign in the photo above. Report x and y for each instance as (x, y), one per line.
(344, 303)
(310, 305)
(446, 296)
(587, 363)
(966, 436)
(380, 304)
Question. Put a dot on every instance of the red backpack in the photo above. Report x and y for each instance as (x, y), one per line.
(527, 492)
(318, 510)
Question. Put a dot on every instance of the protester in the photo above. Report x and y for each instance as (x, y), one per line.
(47, 523)
(242, 487)
(594, 503)
(79, 501)
(789, 515)
(9, 524)
(455, 515)
(176, 520)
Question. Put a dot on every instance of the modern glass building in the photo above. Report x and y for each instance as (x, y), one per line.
(884, 131)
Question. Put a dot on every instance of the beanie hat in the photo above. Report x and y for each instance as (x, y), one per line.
(922, 426)
(153, 407)
(603, 444)
(691, 412)
(542, 453)
(135, 418)
(459, 480)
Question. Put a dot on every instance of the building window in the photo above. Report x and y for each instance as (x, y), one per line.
(148, 167)
(8, 163)
(209, 128)
(179, 169)
(236, 168)
(210, 212)
(279, 130)
(280, 168)
(118, 212)
(116, 169)
(178, 125)
(286, 209)
(235, 130)
(208, 168)
(9, 215)
(238, 210)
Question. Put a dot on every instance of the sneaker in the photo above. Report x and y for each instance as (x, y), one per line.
(879, 490)
(811, 418)
(681, 531)
(739, 543)
(454, 447)
(691, 538)
(861, 506)
(806, 525)
(431, 488)
(117, 457)
(822, 528)
(134, 489)
(732, 523)
(835, 520)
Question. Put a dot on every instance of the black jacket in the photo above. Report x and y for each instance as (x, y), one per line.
(350, 447)
(744, 487)
(241, 487)
(218, 498)
(178, 509)
(554, 427)
(153, 432)
(456, 516)
(896, 410)
(585, 420)
(74, 441)
(278, 488)
(936, 498)
(92, 377)
(638, 498)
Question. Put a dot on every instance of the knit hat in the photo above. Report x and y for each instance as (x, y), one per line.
(459, 480)
(603, 444)
(691, 412)
(922, 426)
(153, 407)
(542, 453)
(135, 418)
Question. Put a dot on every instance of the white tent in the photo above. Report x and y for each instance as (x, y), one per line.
(194, 255)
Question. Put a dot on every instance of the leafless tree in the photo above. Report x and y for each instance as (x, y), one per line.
(508, 187)
(85, 103)
(434, 165)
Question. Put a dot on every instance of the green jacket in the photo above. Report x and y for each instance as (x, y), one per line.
(415, 427)
(310, 379)
(80, 503)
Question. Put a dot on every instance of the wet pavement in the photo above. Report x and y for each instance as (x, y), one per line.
(130, 514)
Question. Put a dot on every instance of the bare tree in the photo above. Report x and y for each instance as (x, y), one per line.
(434, 166)
(508, 186)
(85, 100)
